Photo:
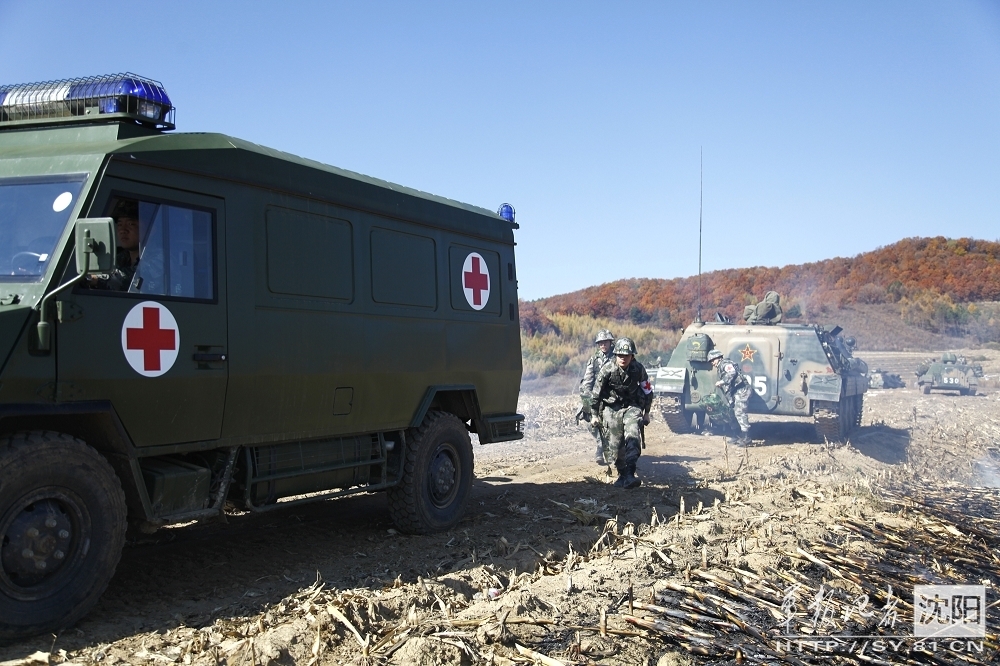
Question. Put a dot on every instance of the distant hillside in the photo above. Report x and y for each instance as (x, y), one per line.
(915, 295)
(924, 276)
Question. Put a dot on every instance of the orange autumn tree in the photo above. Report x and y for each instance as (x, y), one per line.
(914, 269)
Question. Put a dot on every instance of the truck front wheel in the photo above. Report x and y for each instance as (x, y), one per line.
(62, 528)
(437, 476)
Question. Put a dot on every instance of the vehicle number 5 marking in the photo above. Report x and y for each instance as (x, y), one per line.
(760, 385)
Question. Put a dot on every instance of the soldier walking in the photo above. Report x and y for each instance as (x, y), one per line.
(605, 340)
(735, 386)
(621, 400)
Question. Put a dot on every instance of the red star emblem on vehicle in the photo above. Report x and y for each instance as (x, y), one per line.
(748, 353)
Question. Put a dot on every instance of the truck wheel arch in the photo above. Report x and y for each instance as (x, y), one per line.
(460, 400)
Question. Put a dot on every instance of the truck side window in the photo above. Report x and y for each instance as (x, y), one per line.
(176, 255)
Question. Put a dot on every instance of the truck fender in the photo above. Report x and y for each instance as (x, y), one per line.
(458, 399)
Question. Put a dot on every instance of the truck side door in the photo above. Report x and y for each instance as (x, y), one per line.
(153, 343)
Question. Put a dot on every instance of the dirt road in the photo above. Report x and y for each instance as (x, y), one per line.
(549, 550)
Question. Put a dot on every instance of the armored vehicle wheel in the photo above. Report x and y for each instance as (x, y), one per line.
(971, 391)
(62, 528)
(859, 408)
(925, 389)
(833, 420)
(676, 416)
(437, 476)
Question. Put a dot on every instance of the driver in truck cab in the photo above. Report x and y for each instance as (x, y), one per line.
(126, 217)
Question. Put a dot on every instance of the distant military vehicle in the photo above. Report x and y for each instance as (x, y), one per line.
(794, 370)
(882, 379)
(271, 330)
(948, 374)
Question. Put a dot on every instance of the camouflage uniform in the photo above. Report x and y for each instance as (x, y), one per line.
(120, 278)
(594, 365)
(734, 384)
(623, 396)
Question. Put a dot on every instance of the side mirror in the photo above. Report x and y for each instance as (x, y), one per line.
(95, 245)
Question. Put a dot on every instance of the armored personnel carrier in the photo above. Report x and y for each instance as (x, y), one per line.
(794, 370)
(948, 374)
(882, 379)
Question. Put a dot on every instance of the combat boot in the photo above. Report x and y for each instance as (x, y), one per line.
(628, 479)
(620, 481)
(599, 456)
(741, 441)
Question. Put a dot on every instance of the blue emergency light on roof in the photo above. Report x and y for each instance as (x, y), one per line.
(94, 98)
(506, 212)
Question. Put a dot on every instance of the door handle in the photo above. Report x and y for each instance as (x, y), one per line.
(209, 358)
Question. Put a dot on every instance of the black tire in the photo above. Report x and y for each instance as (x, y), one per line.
(437, 476)
(925, 389)
(62, 528)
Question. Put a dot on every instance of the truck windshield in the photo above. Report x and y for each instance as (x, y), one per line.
(33, 213)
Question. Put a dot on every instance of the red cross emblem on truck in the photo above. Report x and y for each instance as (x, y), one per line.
(476, 281)
(150, 339)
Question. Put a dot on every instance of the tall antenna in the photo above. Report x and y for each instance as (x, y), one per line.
(701, 201)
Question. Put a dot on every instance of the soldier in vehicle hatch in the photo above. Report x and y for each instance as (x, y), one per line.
(621, 400)
(605, 340)
(734, 384)
(126, 217)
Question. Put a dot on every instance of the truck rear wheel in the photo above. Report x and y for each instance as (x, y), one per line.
(62, 528)
(437, 476)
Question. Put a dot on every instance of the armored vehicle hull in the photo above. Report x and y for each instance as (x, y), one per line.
(881, 379)
(270, 330)
(794, 370)
(948, 375)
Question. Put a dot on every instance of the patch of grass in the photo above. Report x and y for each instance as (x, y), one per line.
(566, 349)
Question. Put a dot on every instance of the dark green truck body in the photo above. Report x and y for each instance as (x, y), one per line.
(322, 318)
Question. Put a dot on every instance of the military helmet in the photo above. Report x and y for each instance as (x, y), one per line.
(850, 342)
(624, 346)
(126, 208)
(603, 335)
(949, 357)
(714, 354)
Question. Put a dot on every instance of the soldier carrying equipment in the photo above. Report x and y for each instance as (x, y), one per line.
(622, 397)
(735, 386)
(605, 340)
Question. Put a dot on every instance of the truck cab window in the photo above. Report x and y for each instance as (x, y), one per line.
(163, 250)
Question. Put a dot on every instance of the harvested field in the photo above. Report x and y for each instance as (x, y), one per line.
(785, 552)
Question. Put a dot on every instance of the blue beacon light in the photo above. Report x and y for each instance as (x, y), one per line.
(122, 95)
(506, 212)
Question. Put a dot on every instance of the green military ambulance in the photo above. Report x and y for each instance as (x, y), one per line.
(191, 321)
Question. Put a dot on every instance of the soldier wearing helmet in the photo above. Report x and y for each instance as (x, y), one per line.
(604, 340)
(621, 398)
(735, 386)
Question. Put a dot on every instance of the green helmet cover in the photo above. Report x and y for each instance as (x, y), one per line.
(603, 335)
(624, 346)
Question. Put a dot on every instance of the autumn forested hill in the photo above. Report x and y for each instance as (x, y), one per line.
(932, 269)
(919, 293)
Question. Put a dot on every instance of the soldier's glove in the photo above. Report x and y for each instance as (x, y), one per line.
(720, 383)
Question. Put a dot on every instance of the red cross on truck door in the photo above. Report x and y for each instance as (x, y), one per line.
(476, 281)
(150, 338)
(154, 351)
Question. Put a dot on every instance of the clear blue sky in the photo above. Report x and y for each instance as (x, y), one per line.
(828, 129)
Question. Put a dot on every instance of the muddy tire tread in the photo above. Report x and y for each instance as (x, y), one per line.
(404, 498)
(17, 451)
